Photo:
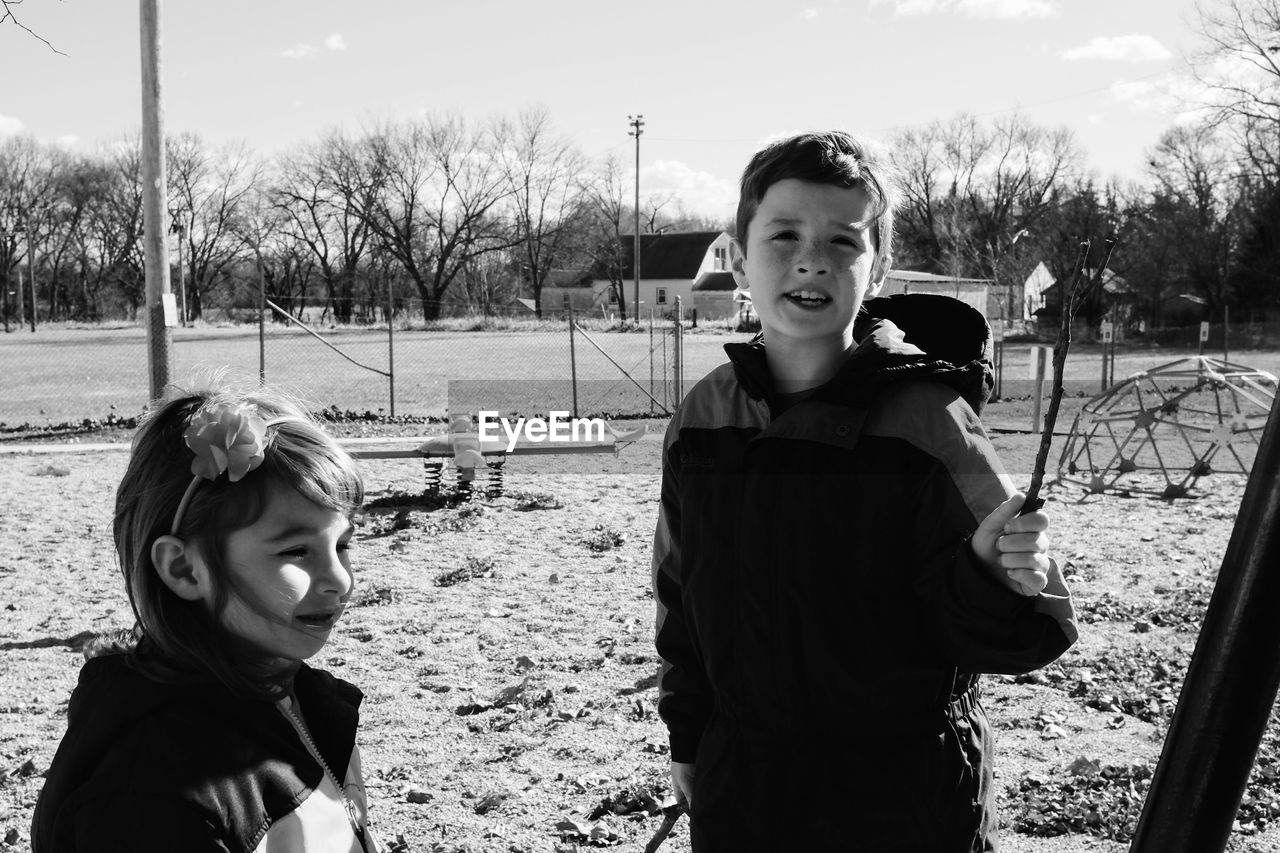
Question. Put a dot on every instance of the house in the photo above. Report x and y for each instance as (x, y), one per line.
(562, 289)
(1033, 290)
(976, 292)
(693, 265)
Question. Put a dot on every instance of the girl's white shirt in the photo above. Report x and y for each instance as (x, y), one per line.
(322, 823)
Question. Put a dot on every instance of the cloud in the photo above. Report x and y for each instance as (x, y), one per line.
(10, 126)
(67, 140)
(1132, 48)
(974, 8)
(336, 42)
(691, 190)
(299, 51)
(1178, 96)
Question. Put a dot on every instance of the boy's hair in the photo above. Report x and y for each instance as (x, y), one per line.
(180, 640)
(835, 158)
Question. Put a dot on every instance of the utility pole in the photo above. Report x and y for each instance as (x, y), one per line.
(637, 122)
(155, 239)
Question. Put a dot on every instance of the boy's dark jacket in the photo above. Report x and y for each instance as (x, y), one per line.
(150, 766)
(818, 604)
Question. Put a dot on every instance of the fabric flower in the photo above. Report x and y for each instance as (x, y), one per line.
(226, 437)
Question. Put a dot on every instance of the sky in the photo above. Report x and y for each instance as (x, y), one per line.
(713, 79)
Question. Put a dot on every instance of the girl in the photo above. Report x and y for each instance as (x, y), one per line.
(204, 730)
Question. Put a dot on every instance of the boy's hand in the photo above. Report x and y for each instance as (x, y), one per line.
(1015, 547)
(682, 783)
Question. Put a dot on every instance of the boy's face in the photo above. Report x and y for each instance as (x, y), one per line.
(807, 260)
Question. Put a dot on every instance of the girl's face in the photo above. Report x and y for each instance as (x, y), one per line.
(291, 576)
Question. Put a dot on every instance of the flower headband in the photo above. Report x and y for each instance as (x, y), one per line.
(227, 437)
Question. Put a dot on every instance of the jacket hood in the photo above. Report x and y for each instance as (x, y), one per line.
(881, 356)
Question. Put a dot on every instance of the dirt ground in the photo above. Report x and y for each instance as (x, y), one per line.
(504, 647)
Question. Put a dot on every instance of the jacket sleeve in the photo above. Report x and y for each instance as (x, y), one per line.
(977, 623)
(133, 822)
(684, 695)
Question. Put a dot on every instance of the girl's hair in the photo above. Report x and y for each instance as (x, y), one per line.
(180, 640)
(835, 158)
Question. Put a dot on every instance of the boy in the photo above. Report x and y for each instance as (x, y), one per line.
(838, 551)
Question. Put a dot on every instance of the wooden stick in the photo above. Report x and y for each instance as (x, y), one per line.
(669, 818)
(1070, 302)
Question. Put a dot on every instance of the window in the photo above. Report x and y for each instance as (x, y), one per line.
(565, 299)
(613, 294)
(662, 296)
(722, 259)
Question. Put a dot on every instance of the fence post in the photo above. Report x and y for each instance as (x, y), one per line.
(573, 363)
(1038, 359)
(391, 348)
(262, 324)
(651, 403)
(677, 360)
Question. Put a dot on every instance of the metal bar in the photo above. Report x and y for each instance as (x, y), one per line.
(619, 366)
(391, 346)
(545, 449)
(285, 314)
(573, 361)
(1231, 682)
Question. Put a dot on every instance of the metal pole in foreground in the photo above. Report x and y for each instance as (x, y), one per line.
(1231, 682)
(155, 238)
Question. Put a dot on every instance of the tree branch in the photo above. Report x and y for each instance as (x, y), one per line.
(9, 15)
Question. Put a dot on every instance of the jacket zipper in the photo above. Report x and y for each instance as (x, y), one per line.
(303, 732)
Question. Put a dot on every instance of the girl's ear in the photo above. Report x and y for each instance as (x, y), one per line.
(737, 263)
(181, 568)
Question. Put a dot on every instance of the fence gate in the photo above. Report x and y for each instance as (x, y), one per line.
(628, 374)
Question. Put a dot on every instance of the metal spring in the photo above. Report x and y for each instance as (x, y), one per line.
(431, 470)
(494, 489)
(464, 487)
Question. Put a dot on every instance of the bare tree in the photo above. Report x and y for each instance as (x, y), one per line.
(440, 190)
(1240, 64)
(603, 194)
(322, 190)
(28, 185)
(968, 190)
(82, 183)
(541, 172)
(206, 190)
(1198, 202)
(114, 234)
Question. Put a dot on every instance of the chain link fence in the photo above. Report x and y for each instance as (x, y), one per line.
(506, 360)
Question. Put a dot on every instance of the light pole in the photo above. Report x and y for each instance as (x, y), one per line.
(637, 122)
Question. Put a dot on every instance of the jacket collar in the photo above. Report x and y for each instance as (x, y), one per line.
(880, 357)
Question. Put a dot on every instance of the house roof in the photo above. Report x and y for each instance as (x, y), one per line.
(933, 278)
(716, 281)
(567, 278)
(670, 255)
